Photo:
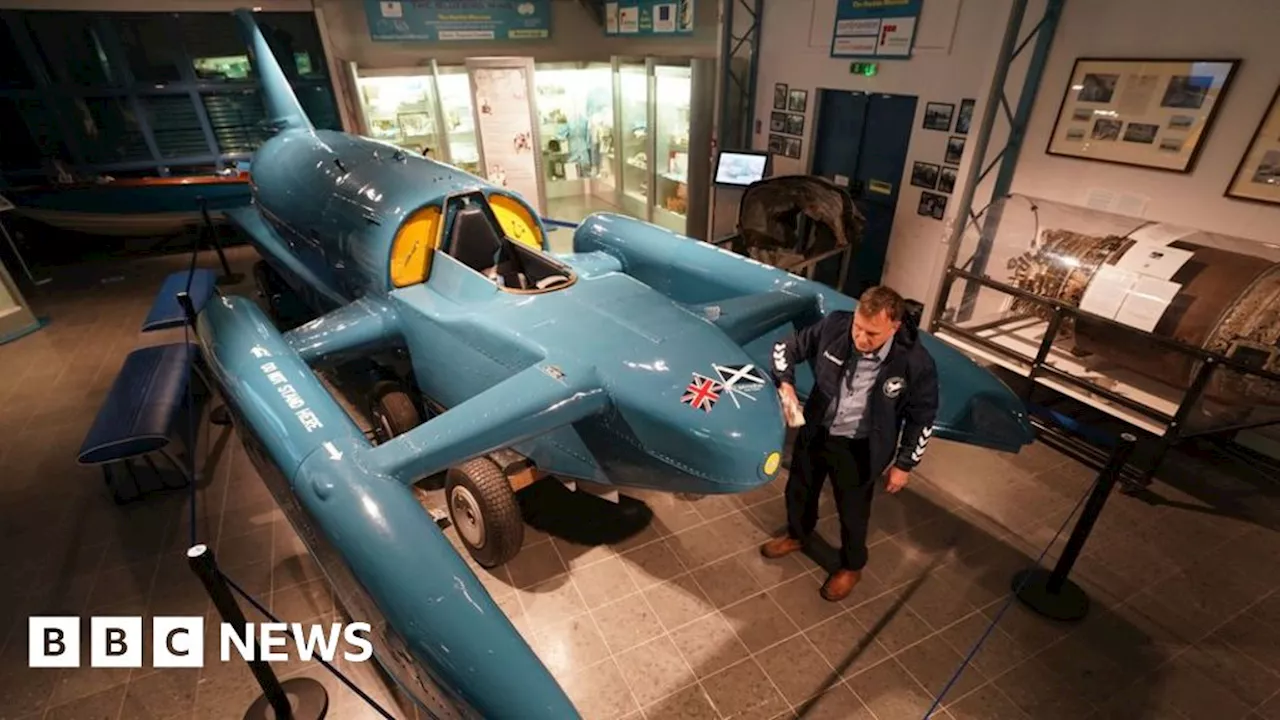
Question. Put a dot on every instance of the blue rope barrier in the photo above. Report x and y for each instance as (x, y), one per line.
(560, 223)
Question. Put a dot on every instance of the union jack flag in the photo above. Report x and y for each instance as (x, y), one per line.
(702, 393)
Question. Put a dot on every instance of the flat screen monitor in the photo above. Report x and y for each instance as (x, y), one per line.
(740, 168)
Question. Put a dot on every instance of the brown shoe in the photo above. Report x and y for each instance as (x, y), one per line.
(839, 584)
(780, 546)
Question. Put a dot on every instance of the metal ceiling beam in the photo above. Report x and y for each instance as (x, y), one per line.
(739, 61)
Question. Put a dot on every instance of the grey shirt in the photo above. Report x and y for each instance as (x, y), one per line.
(848, 417)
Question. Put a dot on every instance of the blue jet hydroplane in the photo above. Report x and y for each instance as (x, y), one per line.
(637, 361)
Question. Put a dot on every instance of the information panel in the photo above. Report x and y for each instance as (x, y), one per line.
(875, 28)
(465, 20)
(502, 90)
(648, 17)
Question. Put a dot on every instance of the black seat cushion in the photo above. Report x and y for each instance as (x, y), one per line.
(475, 242)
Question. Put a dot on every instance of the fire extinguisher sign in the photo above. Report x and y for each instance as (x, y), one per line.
(875, 28)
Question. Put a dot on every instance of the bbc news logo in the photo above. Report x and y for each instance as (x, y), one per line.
(178, 642)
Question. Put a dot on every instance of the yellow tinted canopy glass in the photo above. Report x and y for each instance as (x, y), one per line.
(414, 244)
(516, 221)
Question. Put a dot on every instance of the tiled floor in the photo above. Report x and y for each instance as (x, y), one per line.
(683, 619)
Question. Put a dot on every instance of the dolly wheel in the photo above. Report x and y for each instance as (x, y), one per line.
(392, 411)
(483, 508)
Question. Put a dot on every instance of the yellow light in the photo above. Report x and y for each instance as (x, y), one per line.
(771, 463)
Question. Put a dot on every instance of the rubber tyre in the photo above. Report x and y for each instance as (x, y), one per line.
(484, 511)
(392, 411)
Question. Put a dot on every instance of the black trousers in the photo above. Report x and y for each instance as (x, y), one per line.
(817, 455)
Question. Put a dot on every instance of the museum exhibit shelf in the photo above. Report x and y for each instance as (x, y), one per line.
(419, 108)
(574, 100)
(1174, 331)
(631, 95)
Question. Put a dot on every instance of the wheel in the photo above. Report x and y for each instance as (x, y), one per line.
(392, 411)
(483, 508)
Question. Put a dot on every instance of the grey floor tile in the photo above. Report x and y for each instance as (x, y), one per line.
(744, 691)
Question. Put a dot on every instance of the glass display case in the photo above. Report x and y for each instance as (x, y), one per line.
(574, 102)
(458, 117)
(1171, 330)
(632, 97)
(673, 92)
(401, 109)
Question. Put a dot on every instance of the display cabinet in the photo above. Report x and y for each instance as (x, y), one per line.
(574, 102)
(458, 117)
(631, 96)
(1174, 331)
(420, 109)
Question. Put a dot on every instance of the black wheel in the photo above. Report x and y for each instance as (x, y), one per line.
(392, 411)
(483, 509)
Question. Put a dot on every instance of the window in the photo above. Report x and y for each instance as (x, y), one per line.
(70, 45)
(13, 69)
(109, 130)
(20, 150)
(239, 120)
(149, 46)
(216, 49)
(175, 126)
(295, 41)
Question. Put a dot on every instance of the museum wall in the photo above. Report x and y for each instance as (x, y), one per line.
(955, 52)
(1244, 29)
(575, 36)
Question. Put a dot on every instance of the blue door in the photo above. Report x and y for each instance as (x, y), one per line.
(862, 142)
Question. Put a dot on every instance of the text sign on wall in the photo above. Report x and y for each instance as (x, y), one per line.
(875, 28)
(648, 17)
(466, 20)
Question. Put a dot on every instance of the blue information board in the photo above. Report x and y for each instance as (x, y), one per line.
(875, 28)
(648, 17)
(458, 20)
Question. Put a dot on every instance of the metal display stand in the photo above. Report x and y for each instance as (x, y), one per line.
(1053, 594)
(298, 698)
(209, 234)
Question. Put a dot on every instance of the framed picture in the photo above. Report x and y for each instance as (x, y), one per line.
(965, 117)
(946, 180)
(797, 100)
(779, 96)
(1150, 113)
(776, 144)
(1258, 175)
(937, 116)
(791, 147)
(777, 122)
(932, 205)
(955, 150)
(795, 124)
(924, 175)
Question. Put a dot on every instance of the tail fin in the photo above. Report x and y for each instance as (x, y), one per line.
(283, 107)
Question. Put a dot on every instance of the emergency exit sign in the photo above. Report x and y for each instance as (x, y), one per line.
(863, 68)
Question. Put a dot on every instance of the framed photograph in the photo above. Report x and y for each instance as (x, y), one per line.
(937, 116)
(1151, 113)
(955, 150)
(794, 124)
(924, 175)
(946, 180)
(798, 100)
(1257, 177)
(965, 117)
(932, 205)
(779, 96)
(776, 144)
(791, 147)
(777, 122)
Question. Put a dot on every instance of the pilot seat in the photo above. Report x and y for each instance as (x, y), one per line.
(477, 242)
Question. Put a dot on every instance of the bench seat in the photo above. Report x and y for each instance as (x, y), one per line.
(166, 312)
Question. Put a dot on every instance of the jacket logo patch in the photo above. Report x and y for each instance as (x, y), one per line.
(826, 354)
(780, 357)
(893, 387)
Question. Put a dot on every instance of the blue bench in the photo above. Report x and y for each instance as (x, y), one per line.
(166, 312)
(136, 418)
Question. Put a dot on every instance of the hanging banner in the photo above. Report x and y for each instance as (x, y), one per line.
(648, 17)
(465, 20)
(503, 102)
(875, 28)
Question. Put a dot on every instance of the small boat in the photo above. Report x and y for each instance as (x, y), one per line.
(136, 207)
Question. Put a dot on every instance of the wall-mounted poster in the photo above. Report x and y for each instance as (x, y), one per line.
(648, 17)
(1151, 113)
(1258, 176)
(502, 90)
(924, 175)
(875, 28)
(467, 20)
(794, 125)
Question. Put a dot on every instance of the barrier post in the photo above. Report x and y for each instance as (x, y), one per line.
(1053, 594)
(296, 698)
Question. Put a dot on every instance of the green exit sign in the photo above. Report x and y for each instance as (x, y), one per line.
(863, 68)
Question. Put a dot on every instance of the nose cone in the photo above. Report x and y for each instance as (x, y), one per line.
(718, 423)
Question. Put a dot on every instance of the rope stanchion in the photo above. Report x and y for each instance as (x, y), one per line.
(1092, 501)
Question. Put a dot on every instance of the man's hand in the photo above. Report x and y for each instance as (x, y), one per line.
(791, 409)
(897, 479)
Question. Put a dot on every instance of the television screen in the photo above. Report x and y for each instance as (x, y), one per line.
(741, 168)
